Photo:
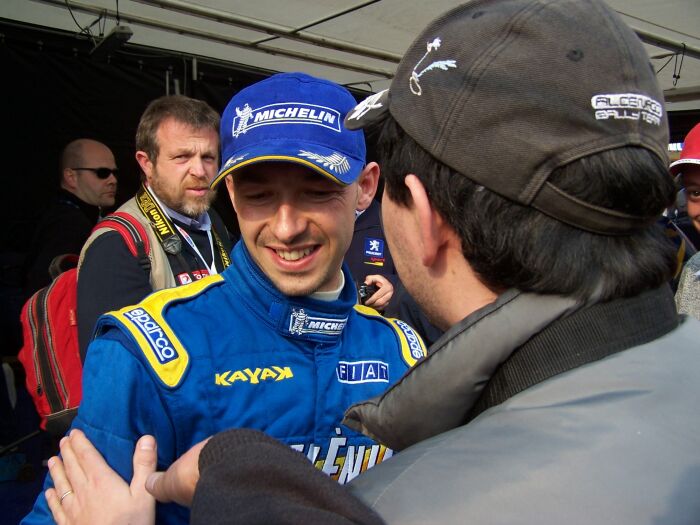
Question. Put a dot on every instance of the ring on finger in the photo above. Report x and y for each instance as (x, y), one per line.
(66, 493)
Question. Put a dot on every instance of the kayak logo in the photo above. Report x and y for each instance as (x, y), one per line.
(253, 376)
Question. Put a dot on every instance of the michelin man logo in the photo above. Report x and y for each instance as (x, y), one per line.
(243, 118)
(298, 321)
(334, 162)
(413, 82)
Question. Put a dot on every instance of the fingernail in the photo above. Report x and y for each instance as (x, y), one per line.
(51, 462)
(147, 443)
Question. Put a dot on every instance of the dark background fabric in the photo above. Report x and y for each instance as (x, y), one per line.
(52, 92)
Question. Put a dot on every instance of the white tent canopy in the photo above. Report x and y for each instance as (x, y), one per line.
(352, 42)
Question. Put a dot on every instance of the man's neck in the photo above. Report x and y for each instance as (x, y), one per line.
(330, 295)
(460, 291)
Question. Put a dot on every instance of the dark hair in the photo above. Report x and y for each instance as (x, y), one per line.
(190, 111)
(511, 245)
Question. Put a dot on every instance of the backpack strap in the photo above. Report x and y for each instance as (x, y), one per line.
(132, 232)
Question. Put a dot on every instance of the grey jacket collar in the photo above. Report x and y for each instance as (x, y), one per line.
(437, 394)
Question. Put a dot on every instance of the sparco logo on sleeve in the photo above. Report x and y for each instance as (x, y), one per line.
(154, 334)
(248, 118)
(413, 342)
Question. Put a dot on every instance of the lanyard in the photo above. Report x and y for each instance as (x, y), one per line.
(165, 231)
(211, 267)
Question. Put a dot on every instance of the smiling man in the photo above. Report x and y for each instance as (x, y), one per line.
(276, 342)
(177, 144)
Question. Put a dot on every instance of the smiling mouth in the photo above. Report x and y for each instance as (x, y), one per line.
(293, 255)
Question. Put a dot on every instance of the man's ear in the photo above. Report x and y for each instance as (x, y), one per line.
(367, 185)
(431, 225)
(145, 164)
(69, 179)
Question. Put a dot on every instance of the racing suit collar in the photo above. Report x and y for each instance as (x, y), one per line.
(293, 317)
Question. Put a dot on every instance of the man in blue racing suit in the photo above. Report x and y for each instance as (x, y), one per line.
(277, 342)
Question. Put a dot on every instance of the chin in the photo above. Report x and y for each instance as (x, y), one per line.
(296, 289)
(195, 210)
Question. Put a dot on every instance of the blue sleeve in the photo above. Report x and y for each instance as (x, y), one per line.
(120, 403)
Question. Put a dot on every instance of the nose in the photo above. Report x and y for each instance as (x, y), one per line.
(197, 167)
(288, 223)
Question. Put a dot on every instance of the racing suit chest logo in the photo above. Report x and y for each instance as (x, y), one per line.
(253, 376)
(300, 322)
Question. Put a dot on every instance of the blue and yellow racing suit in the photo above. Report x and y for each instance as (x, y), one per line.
(232, 351)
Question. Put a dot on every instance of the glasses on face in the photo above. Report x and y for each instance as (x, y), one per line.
(102, 173)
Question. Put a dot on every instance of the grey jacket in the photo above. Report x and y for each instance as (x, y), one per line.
(616, 440)
(688, 293)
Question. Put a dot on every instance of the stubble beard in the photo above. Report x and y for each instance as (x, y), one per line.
(191, 207)
(197, 206)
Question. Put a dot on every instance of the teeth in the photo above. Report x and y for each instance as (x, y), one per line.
(293, 255)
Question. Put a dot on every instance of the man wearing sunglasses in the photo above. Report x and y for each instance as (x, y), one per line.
(88, 184)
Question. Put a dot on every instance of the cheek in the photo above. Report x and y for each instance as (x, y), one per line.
(693, 208)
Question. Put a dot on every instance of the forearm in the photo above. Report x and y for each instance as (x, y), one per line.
(249, 477)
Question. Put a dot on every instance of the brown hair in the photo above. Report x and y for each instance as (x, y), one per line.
(192, 112)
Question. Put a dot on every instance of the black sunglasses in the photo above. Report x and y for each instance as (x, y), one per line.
(102, 173)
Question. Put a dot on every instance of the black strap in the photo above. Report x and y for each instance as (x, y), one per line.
(585, 336)
(168, 237)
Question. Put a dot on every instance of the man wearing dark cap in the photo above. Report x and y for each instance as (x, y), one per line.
(523, 144)
(277, 341)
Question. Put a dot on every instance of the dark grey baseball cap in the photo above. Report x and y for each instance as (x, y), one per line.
(506, 91)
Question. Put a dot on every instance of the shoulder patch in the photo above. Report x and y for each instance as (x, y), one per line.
(412, 346)
(145, 323)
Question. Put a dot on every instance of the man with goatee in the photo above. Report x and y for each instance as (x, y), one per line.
(177, 143)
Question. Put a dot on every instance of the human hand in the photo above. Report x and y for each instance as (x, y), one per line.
(379, 299)
(87, 490)
(177, 484)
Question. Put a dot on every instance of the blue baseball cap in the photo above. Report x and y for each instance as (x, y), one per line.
(292, 117)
